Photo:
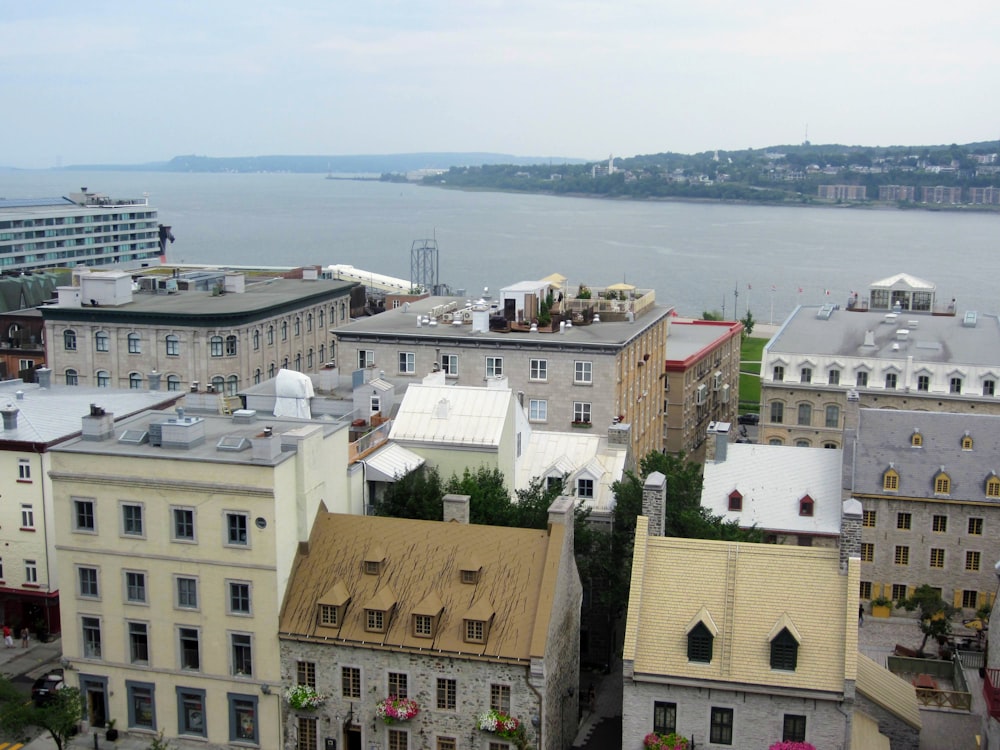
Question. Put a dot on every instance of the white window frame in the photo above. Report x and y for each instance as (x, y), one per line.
(231, 639)
(31, 571)
(366, 358)
(449, 363)
(91, 624)
(583, 372)
(538, 370)
(494, 367)
(102, 342)
(27, 516)
(128, 642)
(180, 649)
(538, 410)
(407, 363)
(24, 470)
(583, 411)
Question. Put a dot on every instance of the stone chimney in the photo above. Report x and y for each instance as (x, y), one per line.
(620, 433)
(851, 515)
(852, 422)
(563, 512)
(718, 441)
(98, 425)
(456, 508)
(44, 377)
(154, 380)
(9, 413)
(654, 502)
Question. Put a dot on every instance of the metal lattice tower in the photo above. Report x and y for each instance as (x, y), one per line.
(424, 265)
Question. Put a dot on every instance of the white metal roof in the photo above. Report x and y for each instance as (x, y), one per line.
(452, 415)
(390, 462)
(903, 279)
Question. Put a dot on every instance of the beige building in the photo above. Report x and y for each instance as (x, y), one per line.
(176, 538)
(458, 619)
(702, 383)
(235, 332)
(600, 360)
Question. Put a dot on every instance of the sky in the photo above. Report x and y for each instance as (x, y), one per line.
(127, 83)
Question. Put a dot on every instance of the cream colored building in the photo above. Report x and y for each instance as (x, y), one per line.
(176, 537)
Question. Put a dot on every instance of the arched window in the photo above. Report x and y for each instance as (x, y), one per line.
(916, 439)
(343, 311)
(309, 323)
(231, 345)
(298, 326)
(298, 362)
(806, 506)
(322, 353)
(71, 377)
(801, 443)
(219, 384)
(103, 379)
(134, 344)
(69, 340)
(309, 360)
(322, 317)
(942, 483)
(890, 480)
(830, 445)
(215, 346)
(173, 344)
(256, 339)
(284, 330)
(833, 416)
(735, 500)
(232, 385)
(173, 383)
(270, 371)
(270, 335)
(256, 376)
(135, 380)
(700, 643)
(102, 342)
(284, 363)
(777, 412)
(784, 651)
(775, 441)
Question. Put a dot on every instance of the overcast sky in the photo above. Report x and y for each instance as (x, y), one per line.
(130, 82)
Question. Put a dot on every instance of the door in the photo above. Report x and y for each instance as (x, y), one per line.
(95, 700)
(352, 738)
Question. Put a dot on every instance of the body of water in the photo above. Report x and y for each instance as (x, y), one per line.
(695, 255)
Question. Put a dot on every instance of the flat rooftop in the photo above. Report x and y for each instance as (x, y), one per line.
(688, 338)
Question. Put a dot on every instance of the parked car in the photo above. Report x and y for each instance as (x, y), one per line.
(45, 687)
(748, 418)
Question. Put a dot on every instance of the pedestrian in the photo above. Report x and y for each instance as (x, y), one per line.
(24, 637)
(861, 614)
(8, 636)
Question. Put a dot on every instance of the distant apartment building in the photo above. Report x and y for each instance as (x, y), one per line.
(897, 193)
(940, 194)
(843, 192)
(702, 382)
(84, 227)
(236, 332)
(984, 196)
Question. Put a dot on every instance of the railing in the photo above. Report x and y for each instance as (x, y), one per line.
(958, 698)
(944, 699)
(369, 442)
(991, 692)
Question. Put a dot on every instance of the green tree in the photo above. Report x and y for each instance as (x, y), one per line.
(748, 324)
(416, 495)
(934, 613)
(711, 315)
(489, 501)
(59, 717)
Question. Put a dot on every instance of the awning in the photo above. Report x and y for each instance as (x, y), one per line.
(390, 462)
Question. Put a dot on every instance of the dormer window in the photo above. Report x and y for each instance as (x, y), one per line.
(373, 567)
(425, 617)
(700, 642)
(942, 483)
(375, 620)
(423, 626)
(329, 616)
(475, 631)
(735, 501)
(374, 561)
(378, 610)
(966, 442)
(476, 622)
(784, 651)
(916, 440)
(993, 486)
(890, 480)
(469, 571)
(332, 606)
(806, 506)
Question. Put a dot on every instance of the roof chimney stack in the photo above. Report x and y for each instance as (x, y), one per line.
(9, 413)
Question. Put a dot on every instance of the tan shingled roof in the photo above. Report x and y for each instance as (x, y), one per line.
(423, 562)
(885, 689)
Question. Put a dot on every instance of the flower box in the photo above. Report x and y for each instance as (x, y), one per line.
(581, 424)
(393, 709)
(672, 741)
(499, 723)
(304, 698)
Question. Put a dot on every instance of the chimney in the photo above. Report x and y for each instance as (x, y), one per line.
(456, 508)
(718, 446)
(154, 380)
(850, 532)
(563, 512)
(620, 433)
(9, 413)
(852, 423)
(654, 500)
(98, 424)
(44, 377)
(266, 446)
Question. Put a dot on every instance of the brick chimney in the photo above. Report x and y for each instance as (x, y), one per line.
(456, 508)
(654, 502)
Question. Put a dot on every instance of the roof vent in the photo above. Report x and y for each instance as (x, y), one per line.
(970, 319)
(890, 318)
(825, 312)
(902, 334)
(869, 338)
(912, 323)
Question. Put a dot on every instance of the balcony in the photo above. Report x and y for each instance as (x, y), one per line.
(991, 692)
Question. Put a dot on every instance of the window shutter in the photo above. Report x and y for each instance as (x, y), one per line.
(909, 591)
(876, 590)
(958, 599)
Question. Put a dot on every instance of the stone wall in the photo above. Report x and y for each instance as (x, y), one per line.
(901, 735)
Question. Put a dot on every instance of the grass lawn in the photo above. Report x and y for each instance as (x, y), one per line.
(750, 356)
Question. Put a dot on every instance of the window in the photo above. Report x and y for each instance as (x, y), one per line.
(475, 631)
(538, 369)
(972, 560)
(866, 590)
(793, 728)
(890, 480)
(30, 572)
(91, 637)
(72, 378)
(867, 552)
(955, 385)
(297, 327)
(937, 558)
(970, 599)
(664, 717)
(500, 698)
(989, 387)
(309, 323)
(721, 729)
(976, 526)
(778, 372)
(135, 381)
(585, 488)
(350, 682)
(735, 501)
(700, 644)
(141, 706)
(784, 651)
(183, 524)
(801, 443)
(833, 416)
(805, 414)
(135, 587)
(903, 521)
(219, 383)
(398, 684)
(27, 517)
(868, 519)
(890, 381)
(805, 375)
(398, 739)
(581, 412)
(308, 734)
(103, 379)
(830, 446)
(375, 620)
(833, 377)
(231, 346)
(806, 506)
(862, 379)
(407, 364)
(329, 615)
(138, 643)
(284, 330)
(102, 342)
(132, 519)
(190, 648)
(538, 410)
(83, 516)
(366, 358)
(191, 712)
(942, 484)
(305, 673)
(446, 743)
(187, 592)
(446, 694)
(215, 346)
(583, 373)
(241, 654)
(923, 382)
(232, 385)
(174, 382)
(993, 486)
(449, 364)
(494, 367)
(237, 529)
(239, 598)
(270, 335)
(23, 470)
(777, 412)
(134, 344)
(242, 718)
(423, 626)
(87, 580)
(902, 555)
(69, 340)
(255, 338)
